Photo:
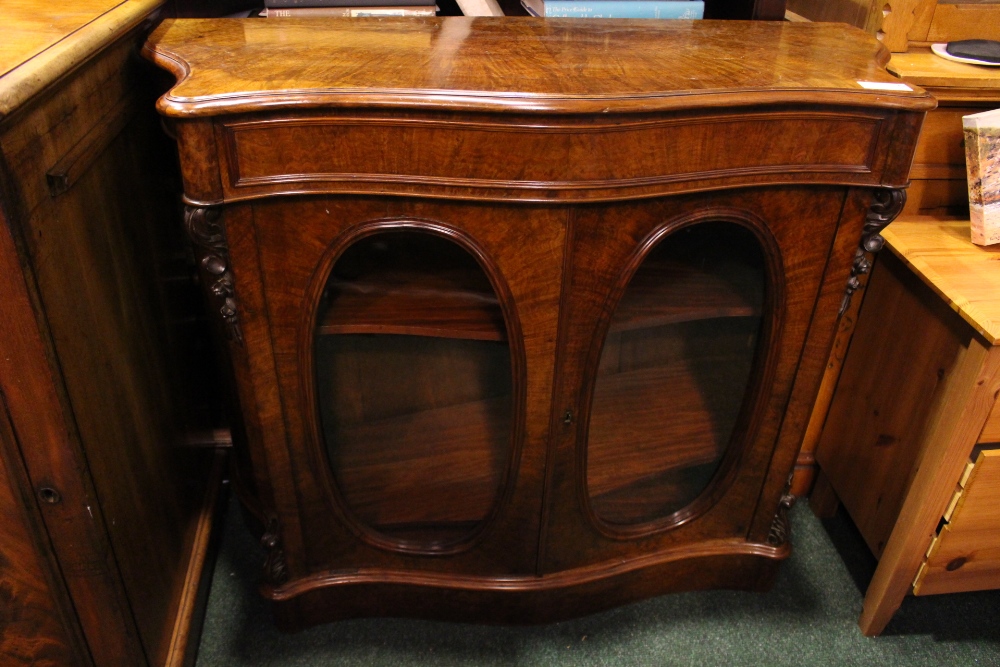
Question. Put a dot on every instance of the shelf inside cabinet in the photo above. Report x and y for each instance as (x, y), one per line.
(411, 284)
(409, 303)
(670, 290)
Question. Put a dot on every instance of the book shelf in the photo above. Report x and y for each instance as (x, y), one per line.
(759, 10)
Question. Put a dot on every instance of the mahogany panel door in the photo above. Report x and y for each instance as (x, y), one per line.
(413, 350)
(682, 332)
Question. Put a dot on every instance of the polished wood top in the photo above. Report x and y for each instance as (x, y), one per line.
(33, 27)
(518, 64)
(966, 276)
(43, 41)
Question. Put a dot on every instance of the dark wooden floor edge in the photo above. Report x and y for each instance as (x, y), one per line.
(191, 612)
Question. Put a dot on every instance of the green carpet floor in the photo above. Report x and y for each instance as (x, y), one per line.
(809, 618)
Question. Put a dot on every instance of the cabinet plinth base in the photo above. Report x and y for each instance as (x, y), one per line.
(522, 600)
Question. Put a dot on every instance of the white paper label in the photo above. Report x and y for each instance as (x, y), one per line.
(881, 85)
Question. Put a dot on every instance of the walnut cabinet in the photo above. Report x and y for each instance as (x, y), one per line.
(526, 316)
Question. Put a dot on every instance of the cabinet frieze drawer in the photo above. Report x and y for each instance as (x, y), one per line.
(338, 153)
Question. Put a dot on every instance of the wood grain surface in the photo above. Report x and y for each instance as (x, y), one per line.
(964, 275)
(39, 30)
(524, 64)
(87, 192)
(871, 443)
(41, 46)
(34, 626)
(923, 68)
(558, 155)
(966, 554)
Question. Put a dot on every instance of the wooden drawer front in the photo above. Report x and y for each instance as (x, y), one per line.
(940, 152)
(965, 556)
(352, 154)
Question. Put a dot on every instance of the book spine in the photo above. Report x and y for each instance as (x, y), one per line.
(301, 4)
(317, 12)
(625, 9)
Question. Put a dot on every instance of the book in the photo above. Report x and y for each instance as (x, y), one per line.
(982, 161)
(315, 4)
(303, 12)
(480, 8)
(616, 9)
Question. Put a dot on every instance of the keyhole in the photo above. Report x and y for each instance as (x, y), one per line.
(49, 495)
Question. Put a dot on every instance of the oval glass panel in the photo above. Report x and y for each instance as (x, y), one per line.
(413, 378)
(673, 373)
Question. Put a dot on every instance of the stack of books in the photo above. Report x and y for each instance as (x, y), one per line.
(319, 8)
(616, 9)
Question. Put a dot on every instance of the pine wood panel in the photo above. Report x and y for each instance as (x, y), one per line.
(941, 151)
(895, 23)
(872, 438)
(964, 275)
(928, 70)
(961, 408)
(966, 554)
(991, 432)
(954, 21)
(941, 198)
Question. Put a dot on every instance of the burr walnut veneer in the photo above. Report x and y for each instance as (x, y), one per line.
(526, 316)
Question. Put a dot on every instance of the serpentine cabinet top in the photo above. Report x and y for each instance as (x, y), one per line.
(522, 65)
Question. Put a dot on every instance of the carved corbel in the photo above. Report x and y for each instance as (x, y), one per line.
(780, 528)
(275, 568)
(887, 205)
(205, 229)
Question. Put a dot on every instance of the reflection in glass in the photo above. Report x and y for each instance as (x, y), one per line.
(413, 382)
(673, 373)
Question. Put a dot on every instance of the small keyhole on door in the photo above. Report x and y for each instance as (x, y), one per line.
(568, 417)
(49, 495)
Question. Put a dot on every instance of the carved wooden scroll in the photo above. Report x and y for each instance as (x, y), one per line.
(212, 251)
(887, 205)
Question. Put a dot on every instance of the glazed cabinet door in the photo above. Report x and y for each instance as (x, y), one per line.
(412, 345)
(684, 322)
